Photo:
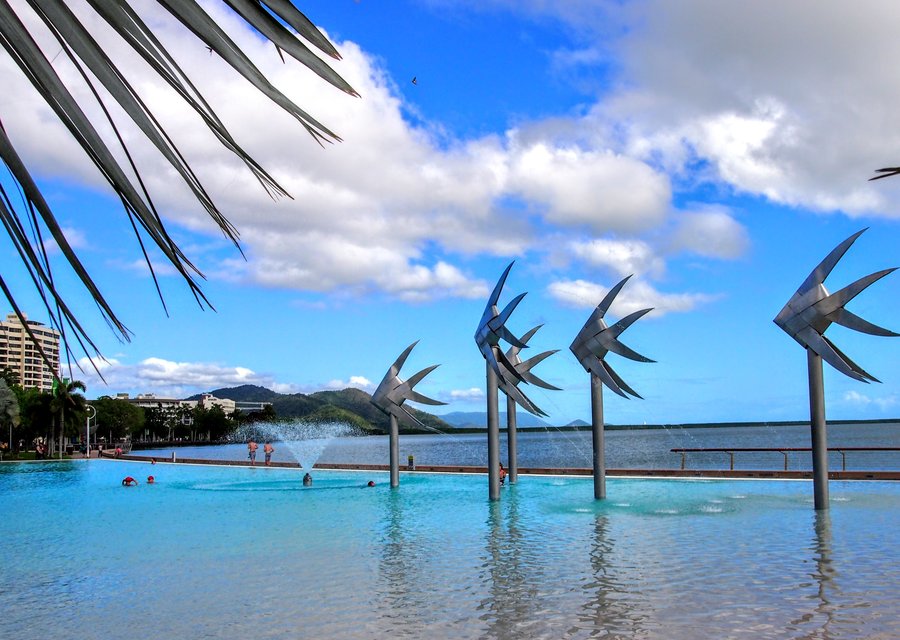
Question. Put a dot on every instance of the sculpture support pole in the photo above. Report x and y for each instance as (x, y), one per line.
(599, 457)
(817, 429)
(512, 462)
(493, 433)
(395, 452)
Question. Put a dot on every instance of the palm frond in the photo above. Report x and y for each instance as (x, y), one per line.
(273, 19)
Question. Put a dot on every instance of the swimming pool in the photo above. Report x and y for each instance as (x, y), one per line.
(249, 552)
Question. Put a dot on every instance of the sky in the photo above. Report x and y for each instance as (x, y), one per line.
(714, 151)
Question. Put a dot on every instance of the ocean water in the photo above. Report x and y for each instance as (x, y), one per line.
(222, 552)
(625, 449)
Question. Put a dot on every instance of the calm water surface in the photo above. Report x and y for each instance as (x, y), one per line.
(625, 449)
(214, 552)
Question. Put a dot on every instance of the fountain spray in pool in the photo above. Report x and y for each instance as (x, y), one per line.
(305, 440)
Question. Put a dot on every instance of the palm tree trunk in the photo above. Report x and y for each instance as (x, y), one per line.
(62, 428)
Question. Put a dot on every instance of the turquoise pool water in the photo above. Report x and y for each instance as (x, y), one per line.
(210, 552)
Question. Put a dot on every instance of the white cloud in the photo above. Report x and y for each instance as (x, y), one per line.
(636, 295)
(181, 379)
(165, 377)
(801, 120)
(859, 399)
(388, 209)
(598, 189)
(710, 232)
(471, 394)
(357, 382)
(624, 257)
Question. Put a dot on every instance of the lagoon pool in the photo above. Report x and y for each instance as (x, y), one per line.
(218, 552)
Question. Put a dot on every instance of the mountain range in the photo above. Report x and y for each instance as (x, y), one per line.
(354, 407)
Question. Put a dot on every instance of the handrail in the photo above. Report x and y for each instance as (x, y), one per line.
(782, 450)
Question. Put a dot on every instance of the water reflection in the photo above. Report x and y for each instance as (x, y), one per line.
(609, 610)
(822, 617)
(509, 574)
(402, 588)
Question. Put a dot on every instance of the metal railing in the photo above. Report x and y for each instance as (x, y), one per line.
(782, 450)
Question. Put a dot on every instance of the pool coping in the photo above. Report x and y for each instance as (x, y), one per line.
(767, 474)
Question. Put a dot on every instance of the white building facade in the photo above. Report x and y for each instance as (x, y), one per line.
(19, 352)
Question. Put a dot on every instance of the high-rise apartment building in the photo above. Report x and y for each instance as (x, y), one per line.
(19, 352)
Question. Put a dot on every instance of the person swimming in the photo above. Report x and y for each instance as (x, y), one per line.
(128, 481)
(307, 480)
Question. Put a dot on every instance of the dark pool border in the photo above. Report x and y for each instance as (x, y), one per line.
(548, 471)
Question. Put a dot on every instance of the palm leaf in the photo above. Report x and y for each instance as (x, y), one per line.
(267, 17)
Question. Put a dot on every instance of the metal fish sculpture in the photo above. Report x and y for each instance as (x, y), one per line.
(812, 309)
(596, 339)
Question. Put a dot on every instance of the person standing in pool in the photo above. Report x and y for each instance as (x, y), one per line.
(307, 480)
(268, 449)
(251, 449)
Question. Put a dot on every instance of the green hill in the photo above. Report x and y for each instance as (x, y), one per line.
(350, 405)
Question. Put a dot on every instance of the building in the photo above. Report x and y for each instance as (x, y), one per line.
(19, 352)
(150, 400)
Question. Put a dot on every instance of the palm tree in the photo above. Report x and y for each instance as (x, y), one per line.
(28, 223)
(9, 410)
(64, 397)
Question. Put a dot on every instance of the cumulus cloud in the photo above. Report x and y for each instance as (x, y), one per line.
(166, 377)
(598, 189)
(781, 100)
(181, 379)
(637, 295)
(624, 257)
(390, 209)
(800, 120)
(467, 395)
(357, 382)
(710, 232)
(860, 399)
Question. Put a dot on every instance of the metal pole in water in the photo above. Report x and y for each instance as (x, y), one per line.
(493, 433)
(818, 429)
(511, 441)
(395, 452)
(599, 457)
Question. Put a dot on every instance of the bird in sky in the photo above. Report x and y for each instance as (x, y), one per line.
(812, 309)
(415, 81)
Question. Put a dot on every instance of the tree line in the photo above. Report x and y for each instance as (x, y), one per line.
(47, 422)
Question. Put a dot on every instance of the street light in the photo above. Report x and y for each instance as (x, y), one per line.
(92, 413)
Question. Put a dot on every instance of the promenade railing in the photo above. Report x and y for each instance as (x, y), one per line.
(782, 450)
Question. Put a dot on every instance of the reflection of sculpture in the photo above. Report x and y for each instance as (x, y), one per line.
(805, 317)
(492, 329)
(523, 369)
(390, 396)
(590, 346)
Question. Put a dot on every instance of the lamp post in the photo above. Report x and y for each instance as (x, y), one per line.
(91, 414)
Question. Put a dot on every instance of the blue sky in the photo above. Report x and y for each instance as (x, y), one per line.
(717, 152)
